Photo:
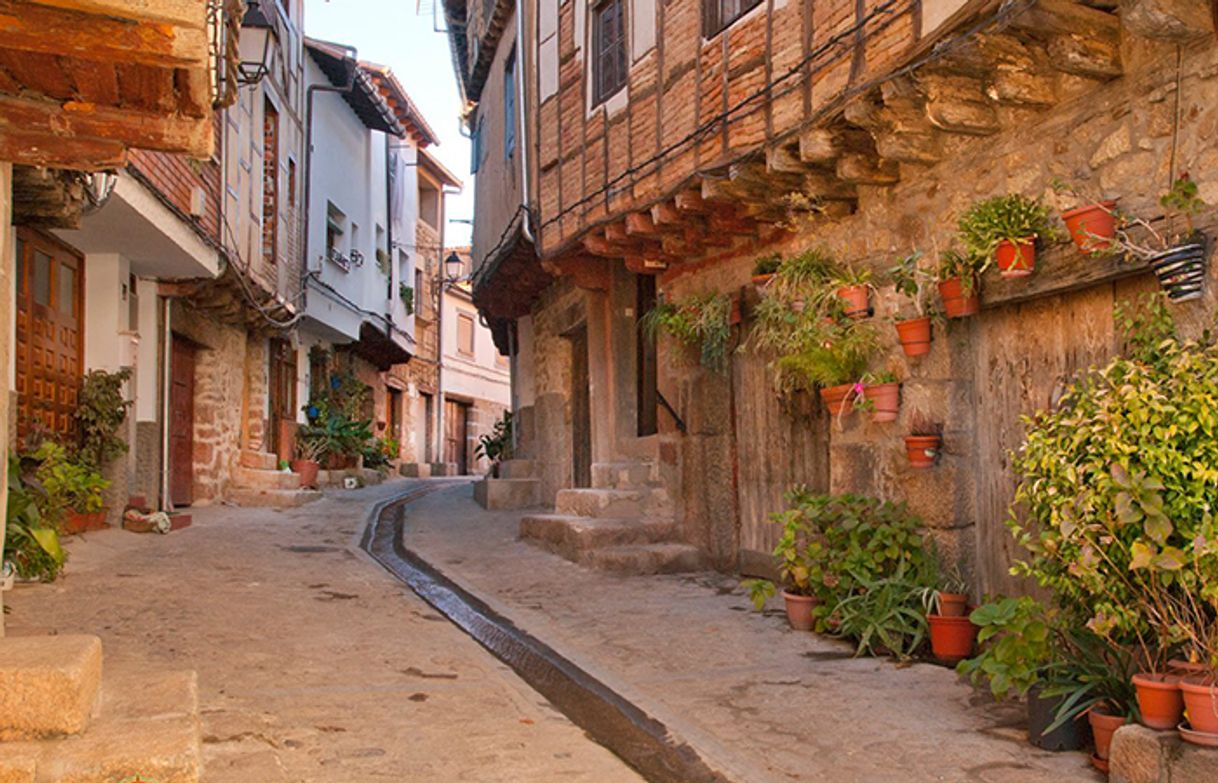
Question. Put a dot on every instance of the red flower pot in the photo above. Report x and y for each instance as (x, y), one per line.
(953, 604)
(922, 450)
(951, 638)
(856, 300)
(1092, 227)
(1103, 726)
(307, 470)
(84, 521)
(799, 610)
(1201, 703)
(761, 281)
(1159, 700)
(1016, 259)
(956, 302)
(886, 398)
(914, 335)
(838, 399)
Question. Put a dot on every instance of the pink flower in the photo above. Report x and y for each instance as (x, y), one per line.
(859, 388)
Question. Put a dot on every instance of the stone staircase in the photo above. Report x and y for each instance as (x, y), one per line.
(516, 487)
(62, 721)
(258, 482)
(623, 524)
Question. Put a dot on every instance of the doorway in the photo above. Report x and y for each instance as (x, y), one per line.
(456, 425)
(181, 421)
(647, 377)
(581, 410)
(282, 435)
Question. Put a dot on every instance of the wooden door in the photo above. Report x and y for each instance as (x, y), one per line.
(455, 429)
(282, 436)
(581, 411)
(49, 332)
(181, 422)
(778, 445)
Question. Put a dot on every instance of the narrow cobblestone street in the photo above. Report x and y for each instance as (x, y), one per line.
(314, 663)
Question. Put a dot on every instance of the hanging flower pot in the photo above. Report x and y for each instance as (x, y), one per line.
(922, 450)
(1103, 726)
(856, 299)
(1092, 227)
(799, 610)
(838, 399)
(958, 302)
(1201, 704)
(914, 335)
(951, 638)
(1181, 271)
(1159, 700)
(1016, 259)
(886, 401)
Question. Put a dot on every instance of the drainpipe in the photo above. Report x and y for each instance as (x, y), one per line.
(166, 386)
(522, 112)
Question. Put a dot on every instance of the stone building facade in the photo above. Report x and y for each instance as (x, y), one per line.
(892, 118)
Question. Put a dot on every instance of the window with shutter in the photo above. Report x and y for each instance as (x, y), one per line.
(609, 69)
(719, 14)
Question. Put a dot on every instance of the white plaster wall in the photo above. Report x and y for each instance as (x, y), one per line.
(107, 342)
(478, 377)
(147, 373)
(642, 26)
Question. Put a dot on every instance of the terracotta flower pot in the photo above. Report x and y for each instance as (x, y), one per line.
(1091, 227)
(838, 399)
(886, 398)
(1016, 259)
(856, 300)
(1103, 726)
(799, 610)
(1201, 703)
(951, 638)
(84, 521)
(953, 604)
(956, 302)
(1159, 700)
(922, 450)
(761, 281)
(914, 335)
(307, 470)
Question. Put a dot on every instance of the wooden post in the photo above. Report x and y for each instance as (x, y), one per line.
(6, 333)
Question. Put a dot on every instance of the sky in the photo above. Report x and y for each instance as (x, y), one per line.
(402, 34)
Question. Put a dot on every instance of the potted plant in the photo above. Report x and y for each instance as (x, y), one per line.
(883, 614)
(1178, 259)
(700, 323)
(764, 269)
(100, 413)
(310, 449)
(73, 490)
(1092, 223)
(497, 445)
(30, 543)
(959, 281)
(1006, 227)
(880, 393)
(854, 291)
(924, 441)
(913, 282)
(793, 555)
(833, 357)
(952, 634)
(406, 294)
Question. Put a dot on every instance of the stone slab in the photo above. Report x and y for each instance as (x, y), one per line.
(505, 493)
(48, 684)
(415, 469)
(517, 469)
(165, 750)
(1142, 755)
(146, 695)
(18, 762)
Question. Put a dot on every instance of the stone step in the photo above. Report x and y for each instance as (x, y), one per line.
(445, 469)
(259, 460)
(140, 695)
(48, 684)
(642, 559)
(496, 494)
(256, 478)
(612, 502)
(517, 469)
(415, 469)
(574, 536)
(625, 475)
(163, 749)
(273, 498)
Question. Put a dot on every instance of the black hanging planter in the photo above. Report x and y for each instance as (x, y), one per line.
(1181, 271)
(1071, 735)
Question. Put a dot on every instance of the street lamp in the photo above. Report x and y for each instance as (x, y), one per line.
(453, 266)
(258, 33)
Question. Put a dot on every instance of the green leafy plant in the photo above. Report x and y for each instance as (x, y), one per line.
(68, 485)
(311, 443)
(1090, 674)
(337, 426)
(1016, 645)
(406, 294)
(847, 275)
(1181, 200)
(100, 412)
(832, 354)
(885, 616)
(383, 261)
(1010, 218)
(30, 543)
(767, 265)
(496, 446)
(913, 282)
(700, 323)
(965, 265)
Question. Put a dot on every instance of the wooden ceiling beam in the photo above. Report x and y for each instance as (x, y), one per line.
(640, 224)
(690, 201)
(666, 214)
(38, 148)
(185, 13)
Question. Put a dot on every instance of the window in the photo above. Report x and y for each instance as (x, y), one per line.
(475, 145)
(509, 105)
(718, 14)
(270, 182)
(133, 305)
(609, 49)
(429, 204)
(465, 335)
(336, 226)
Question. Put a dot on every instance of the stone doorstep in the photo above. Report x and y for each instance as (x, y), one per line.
(646, 559)
(498, 494)
(624, 475)
(255, 478)
(572, 536)
(1142, 755)
(258, 460)
(611, 502)
(150, 695)
(415, 470)
(273, 498)
(165, 750)
(48, 684)
(517, 469)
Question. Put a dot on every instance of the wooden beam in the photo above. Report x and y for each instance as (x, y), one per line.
(781, 160)
(28, 27)
(37, 148)
(616, 232)
(597, 245)
(640, 224)
(588, 273)
(186, 13)
(666, 214)
(645, 266)
(1065, 17)
(720, 190)
(689, 201)
(865, 170)
(819, 145)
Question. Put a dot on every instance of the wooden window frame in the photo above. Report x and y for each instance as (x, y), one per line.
(716, 18)
(473, 336)
(602, 89)
(509, 105)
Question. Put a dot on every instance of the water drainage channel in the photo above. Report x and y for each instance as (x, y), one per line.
(637, 738)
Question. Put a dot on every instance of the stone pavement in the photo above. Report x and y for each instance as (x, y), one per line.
(314, 664)
(758, 701)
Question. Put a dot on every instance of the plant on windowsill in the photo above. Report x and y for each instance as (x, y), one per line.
(913, 283)
(497, 445)
(406, 294)
(1007, 227)
(1178, 259)
(959, 280)
(700, 323)
(383, 261)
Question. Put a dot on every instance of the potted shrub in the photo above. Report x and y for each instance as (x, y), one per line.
(1092, 223)
(310, 449)
(833, 358)
(913, 282)
(700, 323)
(1006, 227)
(497, 445)
(73, 490)
(854, 291)
(100, 412)
(959, 282)
(952, 634)
(31, 544)
(1178, 259)
(883, 616)
(792, 558)
(880, 394)
(924, 441)
(764, 269)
